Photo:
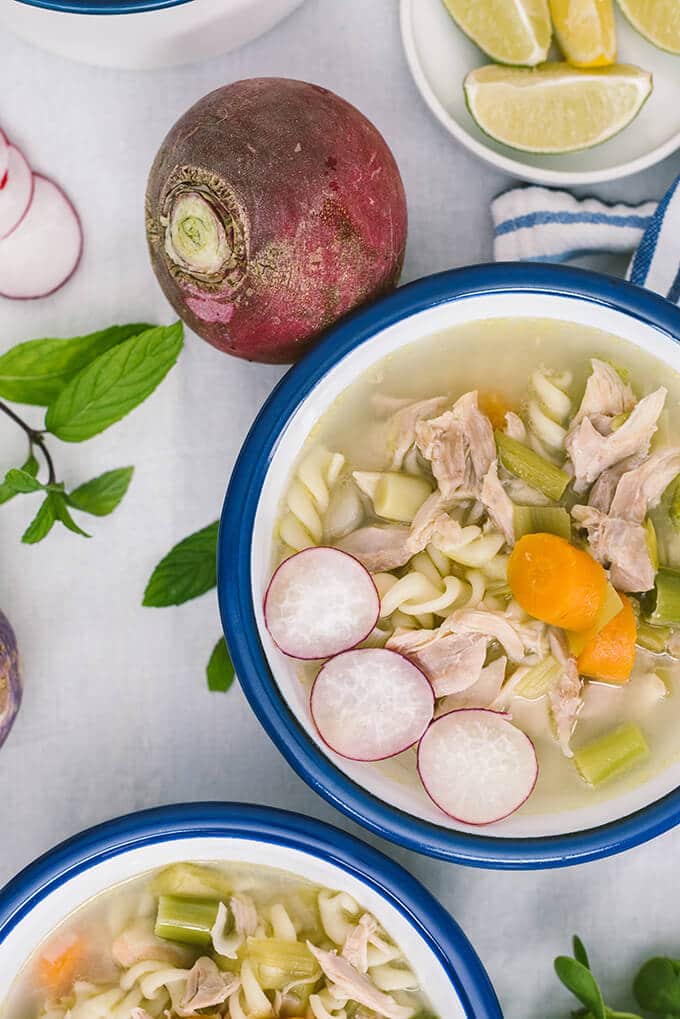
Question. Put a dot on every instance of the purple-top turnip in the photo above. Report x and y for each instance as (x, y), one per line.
(273, 208)
(10, 678)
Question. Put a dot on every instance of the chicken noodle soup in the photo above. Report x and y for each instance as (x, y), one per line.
(225, 940)
(510, 487)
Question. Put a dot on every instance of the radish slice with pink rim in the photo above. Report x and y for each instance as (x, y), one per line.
(42, 253)
(4, 157)
(320, 602)
(371, 704)
(477, 766)
(16, 195)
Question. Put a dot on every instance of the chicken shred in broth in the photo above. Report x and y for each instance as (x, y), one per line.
(224, 940)
(456, 450)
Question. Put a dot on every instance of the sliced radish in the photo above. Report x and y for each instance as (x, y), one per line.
(42, 253)
(15, 197)
(476, 765)
(4, 157)
(319, 602)
(371, 704)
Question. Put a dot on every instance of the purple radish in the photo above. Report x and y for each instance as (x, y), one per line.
(16, 195)
(10, 678)
(371, 703)
(42, 253)
(4, 156)
(320, 602)
(477, 766)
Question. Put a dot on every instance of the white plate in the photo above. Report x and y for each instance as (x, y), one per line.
(440, 55)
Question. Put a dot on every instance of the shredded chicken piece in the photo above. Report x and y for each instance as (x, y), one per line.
(481, 694)
(451, 661)
(498, 503)
(460, 447)
(515, 637)
(402, 426)
(378, 548)
(566, 695)
(244, 912)
(432, 521)
(621, 546)
(591, 452)
(207, 986)
(602, 492)
(138, 943)
(641, 489)
(355, 949)
(350, 983)
(515, 427)
(606, 396)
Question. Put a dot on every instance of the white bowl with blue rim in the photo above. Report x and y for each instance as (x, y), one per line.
(141, 33)
(48, 891)
(374, 798)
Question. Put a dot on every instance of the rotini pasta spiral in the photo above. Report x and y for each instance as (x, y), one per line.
(548, 410)
(308, 498)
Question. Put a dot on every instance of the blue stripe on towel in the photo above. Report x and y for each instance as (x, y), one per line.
(530, 219)
(674, 293)
(639, 269)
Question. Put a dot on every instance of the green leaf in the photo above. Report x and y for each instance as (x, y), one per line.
(7, 492)
(36, 371)
(22, 481)
(114, 384)
(580, 981)
(61, 513)
(220, 669)
(101, 495)
(187, 571)
(657, 986)
(580, 953)
(42, 523)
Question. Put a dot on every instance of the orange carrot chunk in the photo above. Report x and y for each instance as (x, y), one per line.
(610, 655)
(556, 582)
(494, 405)
(59, 967)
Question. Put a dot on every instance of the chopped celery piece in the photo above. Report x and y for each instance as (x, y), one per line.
(280, 962)
(192, 879)
(611, 606)
(538, 680)
(652, 638)
(618, 420)
(188, 921)
(542, 520)
(524, 463)
(662, 603)
(674, 504)
(652, 544)
(612, 754)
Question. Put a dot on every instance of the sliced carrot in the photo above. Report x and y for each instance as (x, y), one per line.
(59, 968)
(494, 405)
(556, 582)
(610, 655)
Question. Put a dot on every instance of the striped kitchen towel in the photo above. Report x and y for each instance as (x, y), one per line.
(540, 225)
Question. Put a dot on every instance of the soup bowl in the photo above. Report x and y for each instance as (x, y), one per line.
(376, 797)
(42, 896)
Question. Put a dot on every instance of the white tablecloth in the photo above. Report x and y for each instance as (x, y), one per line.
(117, 715)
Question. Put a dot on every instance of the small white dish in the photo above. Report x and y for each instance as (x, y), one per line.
(440, 55)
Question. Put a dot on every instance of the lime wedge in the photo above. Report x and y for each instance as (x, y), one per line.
(555, 108)
(657, 20)
(585, 30)
(509, 31)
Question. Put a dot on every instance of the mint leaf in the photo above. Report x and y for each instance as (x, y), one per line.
(61, 513)
(582, 984)
(7, 491)
(42, 523)
(114, 384)
(580, 953)
(35, 371)
(21, 481)
(187, 571)
(657, 986)
(101, 495)
(220, 669)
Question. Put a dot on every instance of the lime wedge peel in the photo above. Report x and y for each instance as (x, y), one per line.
(509, 31)
(657, 20)
(555, 108)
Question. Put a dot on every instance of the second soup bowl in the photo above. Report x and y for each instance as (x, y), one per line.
(390, 800)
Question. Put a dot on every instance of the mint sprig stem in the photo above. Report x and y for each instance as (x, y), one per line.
(36, 438)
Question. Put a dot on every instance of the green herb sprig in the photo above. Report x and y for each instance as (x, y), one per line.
(186, 572)
(85, 384)
(656, 986)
